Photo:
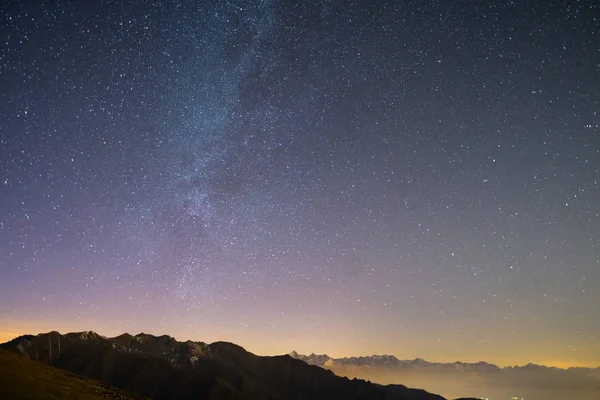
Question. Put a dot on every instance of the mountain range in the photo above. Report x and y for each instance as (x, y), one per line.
(390, 361)
(457, 379)
(159, 367)
(162, 368)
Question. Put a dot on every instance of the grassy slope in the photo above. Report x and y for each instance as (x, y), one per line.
(21, 379)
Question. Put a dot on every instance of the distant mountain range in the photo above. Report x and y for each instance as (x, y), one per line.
(473, 379)
(159, 367)
(389, 361)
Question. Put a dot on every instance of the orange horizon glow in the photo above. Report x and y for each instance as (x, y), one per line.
(257, 347)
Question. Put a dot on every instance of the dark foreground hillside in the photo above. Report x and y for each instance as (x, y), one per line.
(162, 368)
(24, 379)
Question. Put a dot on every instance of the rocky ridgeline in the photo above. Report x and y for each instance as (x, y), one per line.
(160, 367)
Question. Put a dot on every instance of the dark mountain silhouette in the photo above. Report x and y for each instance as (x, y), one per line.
(163, 368)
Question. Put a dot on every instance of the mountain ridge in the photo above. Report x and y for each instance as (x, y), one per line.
(460, 378)
(377, 358)
(163, 368)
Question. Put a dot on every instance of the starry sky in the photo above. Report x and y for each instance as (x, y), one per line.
(417, 178)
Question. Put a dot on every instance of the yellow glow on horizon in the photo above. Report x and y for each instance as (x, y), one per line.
(6, 336)
(256, 343)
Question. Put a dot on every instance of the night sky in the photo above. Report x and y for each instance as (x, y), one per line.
(352, 178)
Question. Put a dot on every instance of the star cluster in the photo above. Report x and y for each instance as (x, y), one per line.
(416, 178)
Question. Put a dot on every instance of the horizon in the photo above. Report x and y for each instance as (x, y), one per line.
(6, 337)
(415, 178)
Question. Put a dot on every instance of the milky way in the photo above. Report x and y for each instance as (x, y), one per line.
(415, 178)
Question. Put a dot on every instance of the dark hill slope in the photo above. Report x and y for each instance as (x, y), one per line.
(22, 379)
